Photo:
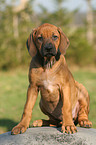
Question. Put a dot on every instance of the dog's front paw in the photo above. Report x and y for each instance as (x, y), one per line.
(18, 129)
(69, 129)
(85, 123)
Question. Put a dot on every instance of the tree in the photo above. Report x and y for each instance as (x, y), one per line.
(89, 17)
(16, 10)
(13, 49)
(60, 16)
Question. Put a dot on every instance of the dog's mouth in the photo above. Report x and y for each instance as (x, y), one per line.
(48, 50)
(49, 55)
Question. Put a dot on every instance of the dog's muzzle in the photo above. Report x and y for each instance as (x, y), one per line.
(48, 50)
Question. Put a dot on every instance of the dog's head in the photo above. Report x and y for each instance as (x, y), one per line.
(47, 39)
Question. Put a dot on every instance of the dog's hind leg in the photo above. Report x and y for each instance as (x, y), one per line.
(39, 123)
(83, 99)
(42, 122)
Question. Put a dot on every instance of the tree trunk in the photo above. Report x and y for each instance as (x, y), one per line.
(16, 10)
(15, 26)
(90, 35)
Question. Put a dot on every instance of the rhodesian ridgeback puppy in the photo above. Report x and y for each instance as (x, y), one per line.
(64, 100)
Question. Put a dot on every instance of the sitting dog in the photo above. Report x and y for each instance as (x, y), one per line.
(64, 100)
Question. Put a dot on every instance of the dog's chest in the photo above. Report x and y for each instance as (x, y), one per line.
(49, 85)
(49, 82)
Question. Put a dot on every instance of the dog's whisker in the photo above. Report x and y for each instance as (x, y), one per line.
(47, 66)
(51, 64)
(53, 61)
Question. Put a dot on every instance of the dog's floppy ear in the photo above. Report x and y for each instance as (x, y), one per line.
(31, 44)
(64, 42)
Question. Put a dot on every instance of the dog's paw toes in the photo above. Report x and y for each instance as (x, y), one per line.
(18, 130)
(69, 129)
(37, 123)
(85, 123)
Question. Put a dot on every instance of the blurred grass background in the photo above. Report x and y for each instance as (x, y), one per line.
(13, 91)
(17, 19)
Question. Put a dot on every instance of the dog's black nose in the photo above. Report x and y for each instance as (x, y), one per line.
(48, 46)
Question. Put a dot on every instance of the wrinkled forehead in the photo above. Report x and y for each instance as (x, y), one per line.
(47, 31)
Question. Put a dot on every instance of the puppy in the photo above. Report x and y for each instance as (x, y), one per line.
(64, 100)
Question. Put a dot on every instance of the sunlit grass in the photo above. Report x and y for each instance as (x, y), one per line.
(13, 89)
(88, 79)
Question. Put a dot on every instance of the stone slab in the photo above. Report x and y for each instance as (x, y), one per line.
(50, 135)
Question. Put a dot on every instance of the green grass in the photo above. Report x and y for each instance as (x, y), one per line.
(13, 89)
(88, 79)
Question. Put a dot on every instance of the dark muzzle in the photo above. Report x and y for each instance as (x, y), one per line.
(48, 50)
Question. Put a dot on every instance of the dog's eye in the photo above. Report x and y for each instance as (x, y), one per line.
(40, 38)
(54, 37)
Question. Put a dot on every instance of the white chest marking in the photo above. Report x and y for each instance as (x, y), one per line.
(48, 85)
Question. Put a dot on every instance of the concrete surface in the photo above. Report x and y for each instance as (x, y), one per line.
(50, 136)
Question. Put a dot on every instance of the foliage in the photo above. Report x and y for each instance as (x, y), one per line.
(80, 52)
(13, 50)
(60, 17)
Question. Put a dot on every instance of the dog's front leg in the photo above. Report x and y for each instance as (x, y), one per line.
(26, 117)
(67, 124)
